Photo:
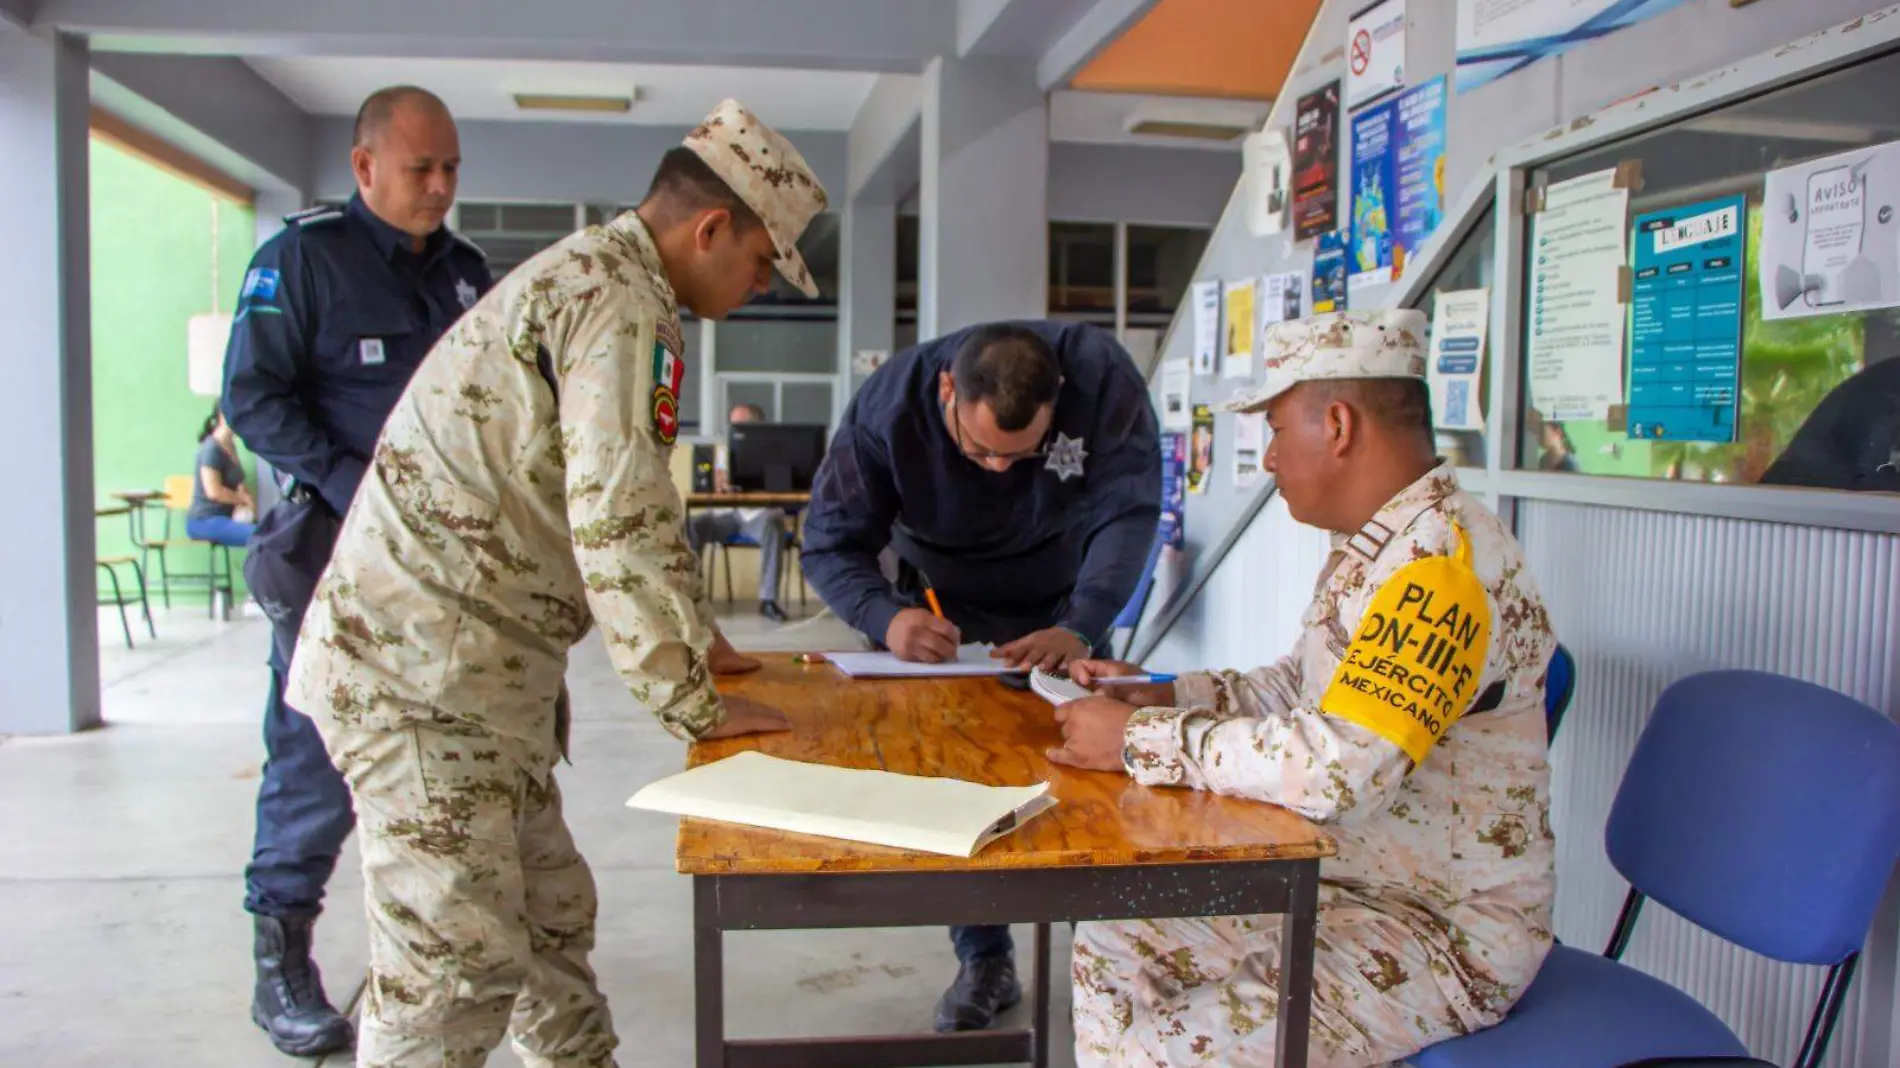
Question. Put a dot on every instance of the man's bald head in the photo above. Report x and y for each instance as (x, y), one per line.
(407, 158)
(379, 110)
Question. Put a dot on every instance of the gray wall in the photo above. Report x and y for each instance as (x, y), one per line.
(215, 106)
(1129, 183)
(559, 162)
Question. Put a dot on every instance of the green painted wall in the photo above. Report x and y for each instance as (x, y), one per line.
(152, 244)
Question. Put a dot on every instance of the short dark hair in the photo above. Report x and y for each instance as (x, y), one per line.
(373, 117)
(1012, 369)
(1402, 405)
(684, 186)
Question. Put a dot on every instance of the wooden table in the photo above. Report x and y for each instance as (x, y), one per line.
(1110, 849)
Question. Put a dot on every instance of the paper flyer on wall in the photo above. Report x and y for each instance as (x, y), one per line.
(1686, 322)
(1283, 297)
(1177, 379)
(1173, 488)
(1201, 449)
(1579, 257)
(1267, 166)
(1497, 37)
(1316, 163)
(1827, 239)
(1237, 345)
(1398, 180)
(1375, 52)
(1456, 368)
(1206, 325)
(1329, 273)
(1250, 448)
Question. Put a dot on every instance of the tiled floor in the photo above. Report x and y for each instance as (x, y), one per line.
(122, 940)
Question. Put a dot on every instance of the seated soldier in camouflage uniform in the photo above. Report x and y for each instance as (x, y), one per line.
(520, 493)
(1408, 720)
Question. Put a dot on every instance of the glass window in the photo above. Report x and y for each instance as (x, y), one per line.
(1468, 267)
(1082, 271)
(805, 402)
(777, 345)
(695, 378)
(1161, 262)
(1808, 387)
(909, 255)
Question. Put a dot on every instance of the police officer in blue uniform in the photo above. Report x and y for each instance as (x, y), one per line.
(337, 311)
(1014, 469)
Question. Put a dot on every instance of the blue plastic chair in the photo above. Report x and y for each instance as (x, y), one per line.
(1130, 615)
(1763, 809)
(1560, 685)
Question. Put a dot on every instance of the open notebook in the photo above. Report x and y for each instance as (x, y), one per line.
(947, 816)
(971, 660)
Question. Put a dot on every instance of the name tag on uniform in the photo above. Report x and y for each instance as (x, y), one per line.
(370, 351)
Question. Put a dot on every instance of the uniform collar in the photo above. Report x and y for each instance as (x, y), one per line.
(633, 231)
(390, 240)
(1399, 513)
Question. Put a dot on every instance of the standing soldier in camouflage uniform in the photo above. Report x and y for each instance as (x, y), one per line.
(520, 493)
(1409, 719)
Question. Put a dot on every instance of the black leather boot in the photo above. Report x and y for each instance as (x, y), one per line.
(984, 987)
(289, 1003)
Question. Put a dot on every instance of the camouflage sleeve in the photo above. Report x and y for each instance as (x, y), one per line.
(1261, 692)
(1263, 736)
(643, 583)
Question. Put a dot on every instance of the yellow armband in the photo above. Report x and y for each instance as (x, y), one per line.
(1415, 665)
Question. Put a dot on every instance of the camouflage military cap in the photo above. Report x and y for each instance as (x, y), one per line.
(769, 175)
(1338, 345)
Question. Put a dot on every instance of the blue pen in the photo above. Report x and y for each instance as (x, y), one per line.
(1132, 680)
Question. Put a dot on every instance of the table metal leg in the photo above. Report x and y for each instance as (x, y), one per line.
(709, 976)
(1039, 1021)
(1298, 929)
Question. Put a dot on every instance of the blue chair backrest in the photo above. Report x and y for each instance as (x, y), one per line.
(1560, 684)
(1764, 809)
(1130, 614)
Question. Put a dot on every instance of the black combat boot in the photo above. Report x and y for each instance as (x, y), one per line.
(289, 1003)
(985, 986)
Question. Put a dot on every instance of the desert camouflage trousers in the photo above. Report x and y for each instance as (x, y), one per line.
(481, 911)
(1177, 993)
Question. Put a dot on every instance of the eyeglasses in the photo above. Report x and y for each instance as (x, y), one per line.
(982, 455)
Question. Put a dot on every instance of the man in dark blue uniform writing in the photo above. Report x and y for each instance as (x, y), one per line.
(336, 313)
(1015, 470)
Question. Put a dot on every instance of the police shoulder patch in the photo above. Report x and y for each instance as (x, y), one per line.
(1415, 666)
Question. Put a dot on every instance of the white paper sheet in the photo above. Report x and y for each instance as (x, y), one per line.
(1459, 322)
(1579, 252)
(1250, 448)
(1206, 326)
(947, 816)
(1826, 244)
(971, 660)
(1266, 168)
(1177, 379)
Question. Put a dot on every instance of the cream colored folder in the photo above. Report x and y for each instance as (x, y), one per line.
(947, 816)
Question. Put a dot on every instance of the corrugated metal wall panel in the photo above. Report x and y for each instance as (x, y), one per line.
(1248, 614)
(1644, 598)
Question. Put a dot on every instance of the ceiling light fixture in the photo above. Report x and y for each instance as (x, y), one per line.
(573, 102)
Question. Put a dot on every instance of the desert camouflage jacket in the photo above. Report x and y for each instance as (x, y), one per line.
(520, 493)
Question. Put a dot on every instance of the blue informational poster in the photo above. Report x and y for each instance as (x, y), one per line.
(1329, 273)
(1686, 322)
(1173, 488)
(1398, 181)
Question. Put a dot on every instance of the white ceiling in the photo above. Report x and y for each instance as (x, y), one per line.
(669, 95)
(1104, 118)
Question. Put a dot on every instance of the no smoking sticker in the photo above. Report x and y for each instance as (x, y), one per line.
(1375, 52)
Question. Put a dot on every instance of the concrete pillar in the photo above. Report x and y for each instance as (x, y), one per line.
(867, 285)
(983, 222)
(49, 641)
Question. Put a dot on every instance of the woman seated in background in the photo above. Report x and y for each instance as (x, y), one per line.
(222, 509)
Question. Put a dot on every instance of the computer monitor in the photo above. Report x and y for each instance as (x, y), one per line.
(774, 457)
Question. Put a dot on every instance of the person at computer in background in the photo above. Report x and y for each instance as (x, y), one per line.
(763, 525)
(1015, 467)
(1408, 719)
